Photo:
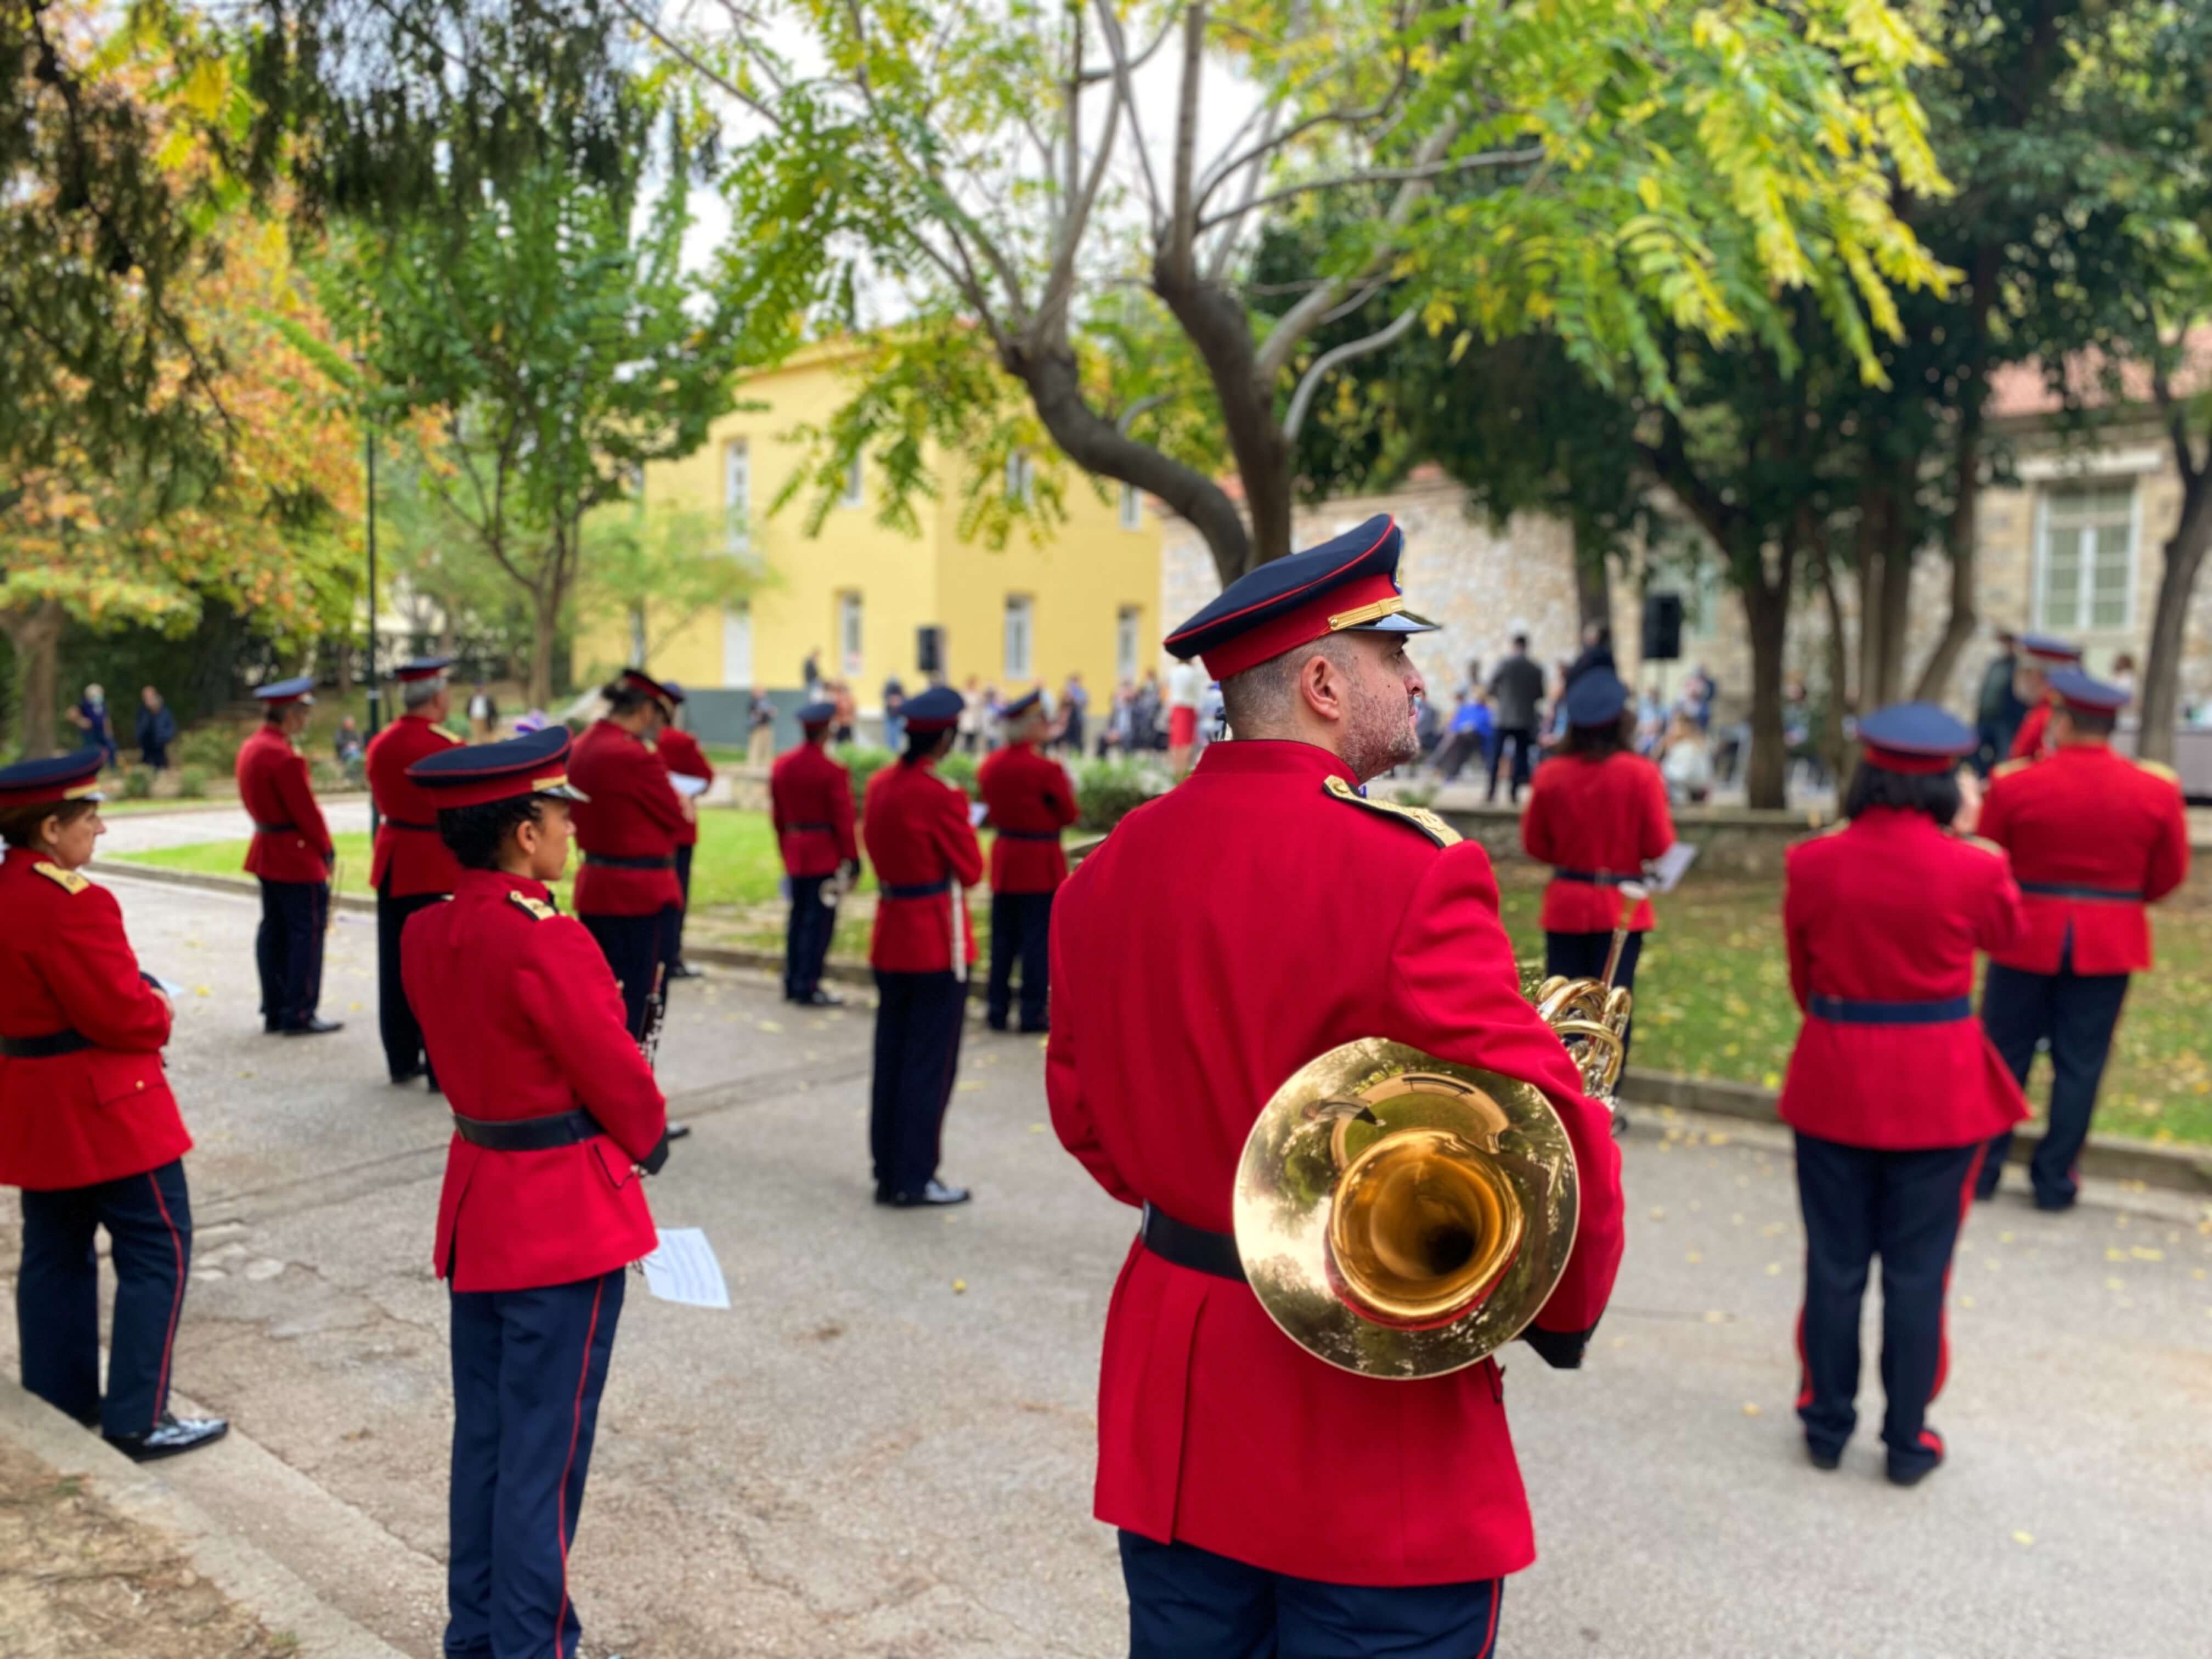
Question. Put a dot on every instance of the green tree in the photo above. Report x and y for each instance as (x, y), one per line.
(662, 568)
(992, 165)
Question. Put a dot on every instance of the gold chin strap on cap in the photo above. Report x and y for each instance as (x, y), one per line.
(1366, 613)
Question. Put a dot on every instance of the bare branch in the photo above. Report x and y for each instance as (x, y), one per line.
(1489, 158)
(1083, 194)
(1117, 48)
(1091, 77)
(1127, 417)
(1182, 222)
(722, 83)
(1271, 142)
(1337, 356)
(1226, 244)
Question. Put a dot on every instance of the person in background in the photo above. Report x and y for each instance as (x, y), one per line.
(1467, 738)
(760, 730)
(1186, 682)
(1596, 652)
(157, 730)
(292, 857)
(994, 724)
(973, 713)
(1429, 728)
(1517, 697)
(89, 1128)
(681, 752)
(840, 698)
(410, 868)
(894, 715)
(1650, 721)
(2124, 675)
(346, 746)
(1998, 710)
(810, 809)
(1893, 1090)
(95, 729)
(627, 824)
(1076, 703)
(1147, 716)
(1686, 761)
(809, 675)
(1030, 800)
(483, 713)
(1597, 814)
(2041, 656)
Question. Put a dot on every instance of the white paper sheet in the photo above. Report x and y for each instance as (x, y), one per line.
(687, 785)
(684, 1270)
(168, 987)
(1667, 869)
(977, 813)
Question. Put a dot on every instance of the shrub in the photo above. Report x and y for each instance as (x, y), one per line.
(328, 776)
(211, 747)
(137, 783)
(1106, 792)
(958, 767)
(1414, 794)
(863, 762)
(191, 782)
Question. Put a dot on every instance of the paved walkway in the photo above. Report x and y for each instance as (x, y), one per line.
(145, 832)
(885, 1448)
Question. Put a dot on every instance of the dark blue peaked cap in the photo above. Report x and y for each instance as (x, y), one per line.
(1916, 738)
(1350, 582)
(276, 693)
(535, 764)
(817, 713)
(73, 777)
(1595, 698)
(2078, 691)
(1022, 704)
(932, 710)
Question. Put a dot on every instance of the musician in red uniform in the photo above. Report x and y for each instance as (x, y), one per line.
(555, 1111)
(681, 753)
(2094, 837)
(1893, 1088)
(89, 1128)
(918, 837)
(2040, 656)
(411, 867)
(292, 855)
(1268, 1503)
(1031, 800)
(627, 824)
(1597, 814)
(810, 805)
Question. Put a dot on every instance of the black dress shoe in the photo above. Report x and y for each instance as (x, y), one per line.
(1822, 1460)
(1911, 1472)
(936, 1193)
(683, 970)
(2053, 1205)
(407, 1074)
(169, 1437)
(678, 1130)
(272, 1027)
(1029, 1029)
(882, 1194)
(313, 1026)
(996, 1022)
(818, 997)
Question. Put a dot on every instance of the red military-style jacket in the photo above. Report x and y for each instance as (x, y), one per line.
(1295, 922)
(2027, 742)
(1031, 799)
(2095, 836)
(290, 841)
(102, 1113)
(1604, 817)
(522, 1020)
(915, 825)
(634, 813)
(408, 847)
(1890, 909)
(681, 754)
(810, 802)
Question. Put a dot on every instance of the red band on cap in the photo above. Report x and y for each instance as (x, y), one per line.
(1295, 626)
(1913, 766)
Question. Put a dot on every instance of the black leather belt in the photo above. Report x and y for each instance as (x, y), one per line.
(276, 829)
(2067, 890)
(46, 1047)
(917, 889)
(1192, 1246)
(1845, 1011)
(611, 862)
(1028, 835)
(1593, 878)
(528, 1134)
(402, 824)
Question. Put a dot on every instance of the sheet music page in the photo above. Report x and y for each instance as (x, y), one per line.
(684, 1270)
(1667, 869)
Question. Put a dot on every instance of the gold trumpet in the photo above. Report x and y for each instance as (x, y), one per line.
(1403, 1216)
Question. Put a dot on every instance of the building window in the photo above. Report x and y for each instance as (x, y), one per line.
(1019, 631)
(855, 482)
(1021, 477)
(736, 495)
(1133, 509)
(848, 633)
(1125, 642)
(2086, 575)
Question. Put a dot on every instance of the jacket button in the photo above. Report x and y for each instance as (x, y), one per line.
(142, 1082)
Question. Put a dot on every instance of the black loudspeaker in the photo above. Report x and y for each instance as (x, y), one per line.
(929, 649)
(1662, 627)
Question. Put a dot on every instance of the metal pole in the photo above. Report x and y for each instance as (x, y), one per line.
(375, 685)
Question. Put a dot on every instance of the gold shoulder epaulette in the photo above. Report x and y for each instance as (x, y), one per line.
(1418, 816)
(68, 880)
(1982, 843)
(2006, 768)
(2159, 769)
(536, 909)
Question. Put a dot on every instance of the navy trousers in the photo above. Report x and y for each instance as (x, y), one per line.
(1190, 1603)
(636, 948)
(149, 1219)
(288, 949)
(684, 884)
(1021, 927)
(918, 1020)
(528, 1369)
(1581, 955)
(807, 940)
(395, 1020)
(2077, 1012)
(1905, 1207)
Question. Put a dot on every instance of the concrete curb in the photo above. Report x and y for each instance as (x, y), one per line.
(2110, 1157)
(249, 1577)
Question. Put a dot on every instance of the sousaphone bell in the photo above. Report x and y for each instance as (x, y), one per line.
(1400, 1215)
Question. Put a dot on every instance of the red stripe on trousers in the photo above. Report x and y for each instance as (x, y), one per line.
(1490, 1636)
(176, 1302)
(575, 1432)
(1804, 1370)
(1943, 1312)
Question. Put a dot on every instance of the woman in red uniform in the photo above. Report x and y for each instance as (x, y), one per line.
(627, 894)
(89, 1128)
(1894, 1088)
(1597, 813)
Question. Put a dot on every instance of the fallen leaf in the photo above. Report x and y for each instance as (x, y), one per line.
(959, 1287)
(769, 1025)
(2143, 1255)
(2023, 1539)
(1037, 1128)
(1658, 1212)
(1692, 1257)
(1751, 1409)
(1773, 1269)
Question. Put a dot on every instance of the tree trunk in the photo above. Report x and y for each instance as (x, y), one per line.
(544, 633)
(2177, 584)
(1593, 583)
(1959, 535)
(1868, 576)
(1766, 610)
(36, 634)
(1830, 738)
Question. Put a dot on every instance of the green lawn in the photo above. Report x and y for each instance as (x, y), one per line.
(1712, 992)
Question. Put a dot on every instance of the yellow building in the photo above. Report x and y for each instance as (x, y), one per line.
(865, 598)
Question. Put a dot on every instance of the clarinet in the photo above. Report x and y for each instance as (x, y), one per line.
(649, 1045)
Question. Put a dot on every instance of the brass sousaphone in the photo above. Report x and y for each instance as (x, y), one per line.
(1402, 1215)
